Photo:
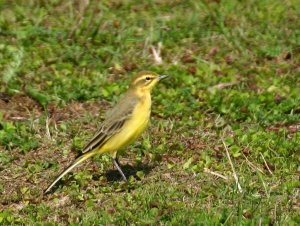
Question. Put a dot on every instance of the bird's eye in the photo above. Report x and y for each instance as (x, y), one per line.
(148, 78)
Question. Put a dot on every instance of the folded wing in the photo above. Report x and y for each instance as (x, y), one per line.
(114, 122)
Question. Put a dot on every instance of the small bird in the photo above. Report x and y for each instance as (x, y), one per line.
(122, 125)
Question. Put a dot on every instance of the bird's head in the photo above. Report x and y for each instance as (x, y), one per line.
(145, 81)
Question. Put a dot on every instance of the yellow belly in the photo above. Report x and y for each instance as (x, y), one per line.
(130, 131)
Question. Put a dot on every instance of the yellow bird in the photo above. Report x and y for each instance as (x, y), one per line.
(123, 123)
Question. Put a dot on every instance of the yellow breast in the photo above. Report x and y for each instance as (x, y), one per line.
(132, 128)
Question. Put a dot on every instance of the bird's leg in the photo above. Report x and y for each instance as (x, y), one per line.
(117, 165)
(117, 161)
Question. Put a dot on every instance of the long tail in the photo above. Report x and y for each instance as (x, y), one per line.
(67, 170)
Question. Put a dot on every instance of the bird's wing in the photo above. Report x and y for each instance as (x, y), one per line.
(113, 123)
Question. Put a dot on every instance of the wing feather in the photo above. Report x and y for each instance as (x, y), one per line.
(112, 124)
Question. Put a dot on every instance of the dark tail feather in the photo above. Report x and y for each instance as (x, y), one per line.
(68, 169)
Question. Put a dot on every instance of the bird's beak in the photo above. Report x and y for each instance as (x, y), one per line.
(162, 77)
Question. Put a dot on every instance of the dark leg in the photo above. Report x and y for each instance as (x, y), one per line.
(117, 165)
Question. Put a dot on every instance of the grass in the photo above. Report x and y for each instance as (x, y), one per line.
(234, 76)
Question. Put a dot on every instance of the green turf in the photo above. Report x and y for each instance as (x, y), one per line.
(234, 77)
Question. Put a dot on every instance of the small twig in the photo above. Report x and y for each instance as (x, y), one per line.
(222, 86)
(206, 170)
(225, 222)
(156, 53)
(47, 128)
(18, 118)
(232, 167)
(259, 173)
(253, 166)
(259, 221)
(267, 166)
(55, 128)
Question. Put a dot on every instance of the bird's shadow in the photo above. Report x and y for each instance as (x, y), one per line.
(113, 175)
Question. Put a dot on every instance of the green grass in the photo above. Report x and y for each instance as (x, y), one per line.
(234, 76)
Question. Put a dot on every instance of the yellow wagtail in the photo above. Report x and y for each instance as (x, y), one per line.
(123, 124)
